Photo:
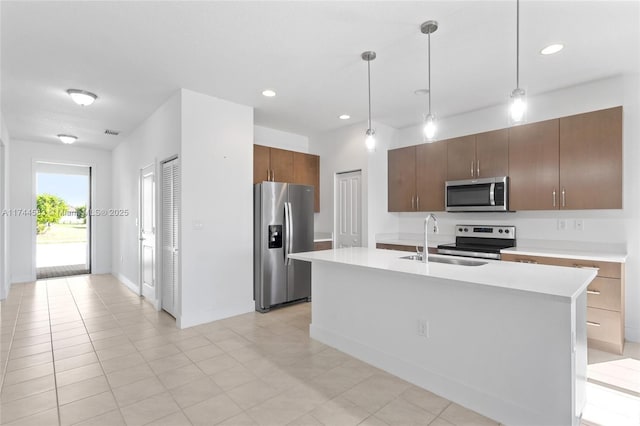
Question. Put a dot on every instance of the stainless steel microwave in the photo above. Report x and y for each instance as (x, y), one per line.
(477, 195)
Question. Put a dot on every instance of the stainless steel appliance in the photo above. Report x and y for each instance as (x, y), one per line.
(282, 224)
(484, 241)
(477, 195)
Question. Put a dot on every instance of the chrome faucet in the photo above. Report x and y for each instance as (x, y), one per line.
(425, 248)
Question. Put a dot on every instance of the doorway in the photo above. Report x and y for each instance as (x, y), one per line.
(147, 235)
(348, 210)
(63, 221)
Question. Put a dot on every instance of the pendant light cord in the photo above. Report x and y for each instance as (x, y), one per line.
(369, 84)
(517, 44)
(429, 68)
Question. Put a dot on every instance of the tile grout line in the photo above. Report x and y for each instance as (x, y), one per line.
(13, 333)
(53, 355)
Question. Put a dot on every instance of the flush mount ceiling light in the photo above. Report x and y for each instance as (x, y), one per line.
(518, 106)
(430, 126)
(67, 139)
(82, 97)
(552, 48)
(344, 117)
(268, 93)
(370, 139)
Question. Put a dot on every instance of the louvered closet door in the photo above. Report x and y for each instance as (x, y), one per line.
(170, 217)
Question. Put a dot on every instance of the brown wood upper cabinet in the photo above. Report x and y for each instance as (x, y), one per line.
(306, 171)
(281, 165)
(591, 160)
(478, 156)
(570, 163)
(416, 177)
(534, 166)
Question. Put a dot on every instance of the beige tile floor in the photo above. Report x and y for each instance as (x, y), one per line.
(85, 350)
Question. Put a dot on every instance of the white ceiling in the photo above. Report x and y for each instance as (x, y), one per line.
(135, 54)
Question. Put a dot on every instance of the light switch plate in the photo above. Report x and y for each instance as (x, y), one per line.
(562, 224)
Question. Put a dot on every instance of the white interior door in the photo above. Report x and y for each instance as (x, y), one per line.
(147, 232)
(348, 209)
(170, 223)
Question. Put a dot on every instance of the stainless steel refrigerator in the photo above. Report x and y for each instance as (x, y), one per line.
(282, 224)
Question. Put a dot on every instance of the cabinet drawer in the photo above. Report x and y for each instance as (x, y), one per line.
(605, 293)
(605, 269)
(604, 325)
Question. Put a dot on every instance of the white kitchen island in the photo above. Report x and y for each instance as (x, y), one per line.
(507, 340)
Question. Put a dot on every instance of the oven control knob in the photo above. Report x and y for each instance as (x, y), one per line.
(460, 229)
(466, 229)
(500, 231)
(506, 231)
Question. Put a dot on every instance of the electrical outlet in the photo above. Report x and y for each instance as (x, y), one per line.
(423, 328)
(578, 225)
(562, 224)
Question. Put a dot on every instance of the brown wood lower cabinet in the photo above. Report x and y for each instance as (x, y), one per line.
(322, 245)
(605, 299)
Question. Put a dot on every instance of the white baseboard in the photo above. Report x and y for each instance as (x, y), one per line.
(127, 282)
(20, 279)
(191, 319)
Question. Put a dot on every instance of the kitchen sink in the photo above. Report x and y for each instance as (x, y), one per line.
(449, 260)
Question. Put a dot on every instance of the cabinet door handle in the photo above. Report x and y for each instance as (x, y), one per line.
(564, 199)
(413, 203)
(593, 292)
(594, 324)
(478, 168)
(472, 175)
(417, 203)
(554, 197)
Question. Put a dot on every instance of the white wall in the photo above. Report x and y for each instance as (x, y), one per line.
(344, 150)
(620, 227)
(155, 140)
(5, 276)
(216, 230)
(279, 139)
(22, 157)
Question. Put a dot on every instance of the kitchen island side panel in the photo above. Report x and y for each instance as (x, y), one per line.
(502, 353)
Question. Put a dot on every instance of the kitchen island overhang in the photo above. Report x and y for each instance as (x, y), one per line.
(506, 340)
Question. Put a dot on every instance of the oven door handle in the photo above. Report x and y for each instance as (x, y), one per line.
(492, 194)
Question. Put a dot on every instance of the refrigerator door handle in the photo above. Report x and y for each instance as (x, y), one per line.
(287, 224)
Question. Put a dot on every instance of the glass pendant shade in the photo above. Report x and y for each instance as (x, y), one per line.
(518, 106)
(370, 140)
(430, 127)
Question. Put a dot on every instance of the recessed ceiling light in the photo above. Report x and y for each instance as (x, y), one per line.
(268, 93)
(344, 117)
(67, 138)
(82, 97)
(552, 48)
(421, 92)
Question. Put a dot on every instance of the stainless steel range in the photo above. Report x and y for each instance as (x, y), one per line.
(483, 241)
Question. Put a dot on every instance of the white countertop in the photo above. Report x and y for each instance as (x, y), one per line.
(554, 281)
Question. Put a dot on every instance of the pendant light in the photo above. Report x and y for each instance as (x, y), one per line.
(518, 106)
(430, 125)
(370, 140)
